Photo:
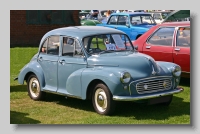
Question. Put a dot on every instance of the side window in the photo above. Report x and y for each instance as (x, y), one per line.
(53, 45)
(183, 37)
(163, 36)
(135, 20)
(123, 20)
(113, 20)
(68, 46)
(157, 16)
(44, 47)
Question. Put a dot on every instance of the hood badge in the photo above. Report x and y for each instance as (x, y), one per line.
(153, 71)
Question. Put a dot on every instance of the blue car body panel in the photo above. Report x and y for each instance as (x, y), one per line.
(133, 31)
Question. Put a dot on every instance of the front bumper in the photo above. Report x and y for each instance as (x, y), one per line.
(146, 96)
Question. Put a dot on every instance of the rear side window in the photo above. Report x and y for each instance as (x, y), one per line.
(183, 37)
(51, 46)
(162, 36)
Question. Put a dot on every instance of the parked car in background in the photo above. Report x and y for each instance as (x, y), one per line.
(102, 14)
(86, 19)
(178, 15)
(159, 16)
(99, 64)
(168, 42)
(134, 24)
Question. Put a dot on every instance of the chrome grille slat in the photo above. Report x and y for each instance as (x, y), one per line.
(153, 85)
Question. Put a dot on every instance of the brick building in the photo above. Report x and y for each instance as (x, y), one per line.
(28, 26)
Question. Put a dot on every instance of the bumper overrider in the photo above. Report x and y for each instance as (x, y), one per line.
(147, 96)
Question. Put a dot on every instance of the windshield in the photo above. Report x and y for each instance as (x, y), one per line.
(142, 19)
(104, 43)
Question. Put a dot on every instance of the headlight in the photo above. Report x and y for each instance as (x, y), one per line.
(176, 71)
(125, 77)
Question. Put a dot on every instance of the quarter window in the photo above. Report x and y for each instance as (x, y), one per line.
(163, 36)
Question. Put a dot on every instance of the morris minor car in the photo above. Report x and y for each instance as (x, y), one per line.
(99, 64)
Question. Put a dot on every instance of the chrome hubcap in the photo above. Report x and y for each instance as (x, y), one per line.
(34, 87)
(100, 100)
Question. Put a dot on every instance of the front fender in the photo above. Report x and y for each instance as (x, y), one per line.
(32, 67)
(110, 76)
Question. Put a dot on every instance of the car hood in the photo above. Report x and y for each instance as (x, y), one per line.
(135, 63)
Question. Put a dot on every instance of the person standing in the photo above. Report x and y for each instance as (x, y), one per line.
(95, 14)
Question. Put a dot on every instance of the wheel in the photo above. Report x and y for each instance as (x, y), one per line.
(34, 89)
(102, 100)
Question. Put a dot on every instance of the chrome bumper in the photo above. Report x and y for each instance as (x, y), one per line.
(146, 96)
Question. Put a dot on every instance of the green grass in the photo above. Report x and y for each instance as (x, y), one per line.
(59, 110)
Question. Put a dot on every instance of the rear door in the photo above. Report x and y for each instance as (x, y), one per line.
(48, 59)
(160, 44)
(181, 52)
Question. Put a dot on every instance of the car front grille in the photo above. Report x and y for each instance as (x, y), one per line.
(153, 86)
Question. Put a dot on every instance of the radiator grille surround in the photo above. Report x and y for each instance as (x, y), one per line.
(150, 86)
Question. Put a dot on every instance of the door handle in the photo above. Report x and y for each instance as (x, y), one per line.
(61, 61)
(148, 47)
(177, 49)
(115, 27)
(40, 59)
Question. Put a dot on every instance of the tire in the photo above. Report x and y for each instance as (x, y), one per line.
(102, 100)
(34, 89)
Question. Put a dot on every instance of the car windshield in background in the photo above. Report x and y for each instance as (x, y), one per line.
(104, 43)
(142, 19)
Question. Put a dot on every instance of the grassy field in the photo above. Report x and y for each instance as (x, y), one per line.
(59, 110)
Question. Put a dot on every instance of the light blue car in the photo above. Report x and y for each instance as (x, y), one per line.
(134, 24)
(93, 62)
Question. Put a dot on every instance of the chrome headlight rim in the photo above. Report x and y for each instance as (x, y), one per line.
(176, 71)
(125, 77)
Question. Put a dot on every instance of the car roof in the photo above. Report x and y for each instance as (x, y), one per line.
(130, 13)
(182, 23)
(81, 31)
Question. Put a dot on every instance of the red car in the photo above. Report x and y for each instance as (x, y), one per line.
(168, 41)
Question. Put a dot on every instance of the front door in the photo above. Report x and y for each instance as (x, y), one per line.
(71, 63)
(160, 44)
